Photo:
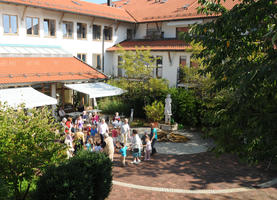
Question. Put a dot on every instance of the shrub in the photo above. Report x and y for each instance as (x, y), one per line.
(155, 111)
(185, 106)
(112, 105)
(85, 176)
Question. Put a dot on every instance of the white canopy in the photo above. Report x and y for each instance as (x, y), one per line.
(27, 95)
(95, 90)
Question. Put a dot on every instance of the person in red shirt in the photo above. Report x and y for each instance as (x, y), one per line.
(115, 133)
(69, 124)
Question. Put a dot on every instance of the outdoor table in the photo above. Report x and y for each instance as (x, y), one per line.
(74, 114)
(94, 110)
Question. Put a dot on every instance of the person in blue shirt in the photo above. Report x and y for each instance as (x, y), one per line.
(93, 131)
(153, 138)
(123, 152)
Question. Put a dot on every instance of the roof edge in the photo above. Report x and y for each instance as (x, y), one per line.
(91, 15)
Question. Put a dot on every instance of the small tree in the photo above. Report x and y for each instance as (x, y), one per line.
(27, 145)
(142, 87)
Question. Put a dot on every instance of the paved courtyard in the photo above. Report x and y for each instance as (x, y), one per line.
(200, 175)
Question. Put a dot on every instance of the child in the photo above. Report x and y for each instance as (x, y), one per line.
(148, 148)
(97, 147)
(123, 151)
(93, 131)
(88, 129)
(89, 144)
(115, 135)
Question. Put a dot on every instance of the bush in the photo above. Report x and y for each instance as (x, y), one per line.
(185, 107)
(85, 176)
(112, 105)
(155, 111)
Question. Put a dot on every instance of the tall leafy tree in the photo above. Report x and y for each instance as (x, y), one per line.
(240, 54)
(138, 79)
(28, 144)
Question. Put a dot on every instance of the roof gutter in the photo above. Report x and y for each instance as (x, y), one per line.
(90, 15)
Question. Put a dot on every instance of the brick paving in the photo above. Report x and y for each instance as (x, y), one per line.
(191, 172)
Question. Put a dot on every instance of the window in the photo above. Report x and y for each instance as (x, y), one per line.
(44, 88)
(129, 34)
(32, 26)
(159, 67)
(153, 31)
(183, 61)
(108, 33)
(67, 29)
(180, 30)
(49, 27)
(119, 70)
(10, 24)
(82, 56)
(96, 32)
(81, 31)
(96, 62)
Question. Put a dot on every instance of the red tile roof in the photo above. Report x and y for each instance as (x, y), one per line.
(77, 7)
(153, 45)
(15, 70)
(160, 10)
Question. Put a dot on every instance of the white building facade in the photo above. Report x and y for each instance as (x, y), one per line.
(91, 31)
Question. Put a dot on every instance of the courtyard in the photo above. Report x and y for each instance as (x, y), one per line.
(191, 175)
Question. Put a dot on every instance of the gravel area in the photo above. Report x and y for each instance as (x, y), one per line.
(196, 144)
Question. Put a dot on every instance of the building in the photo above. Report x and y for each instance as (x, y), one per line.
(38, 39)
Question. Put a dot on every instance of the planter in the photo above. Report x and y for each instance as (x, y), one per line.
(167, 127)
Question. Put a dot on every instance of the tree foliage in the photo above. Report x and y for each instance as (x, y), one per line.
(240, 54)
(85, 176)
(142, 88)
(155, 111)
(27, 145)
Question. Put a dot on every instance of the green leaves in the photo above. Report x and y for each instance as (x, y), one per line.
(27, 144)
(155, 111)
(239, 51)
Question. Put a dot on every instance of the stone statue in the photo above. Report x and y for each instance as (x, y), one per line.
(167, 109)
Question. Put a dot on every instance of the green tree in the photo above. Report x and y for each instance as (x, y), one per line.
(142, 88)
(28, 144)
(239, 52)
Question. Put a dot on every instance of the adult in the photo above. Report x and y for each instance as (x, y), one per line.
(95, 118)
(69, 125)
(102, 129)
(167, 109)
(116, 120)
(79, 141)
(79, 122)
(153, 138)
(125, 132)
(109, 146)
(61, 112)
(85, 116)
(63, 125)
(136, 147)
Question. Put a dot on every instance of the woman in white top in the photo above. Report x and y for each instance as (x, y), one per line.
(124, 132)
(136, 147)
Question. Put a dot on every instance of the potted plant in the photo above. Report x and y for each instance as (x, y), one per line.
(155, 111)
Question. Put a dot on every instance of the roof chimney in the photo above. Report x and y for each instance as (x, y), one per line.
(109, 2)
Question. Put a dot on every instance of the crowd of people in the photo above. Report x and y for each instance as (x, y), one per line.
(94, 134)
